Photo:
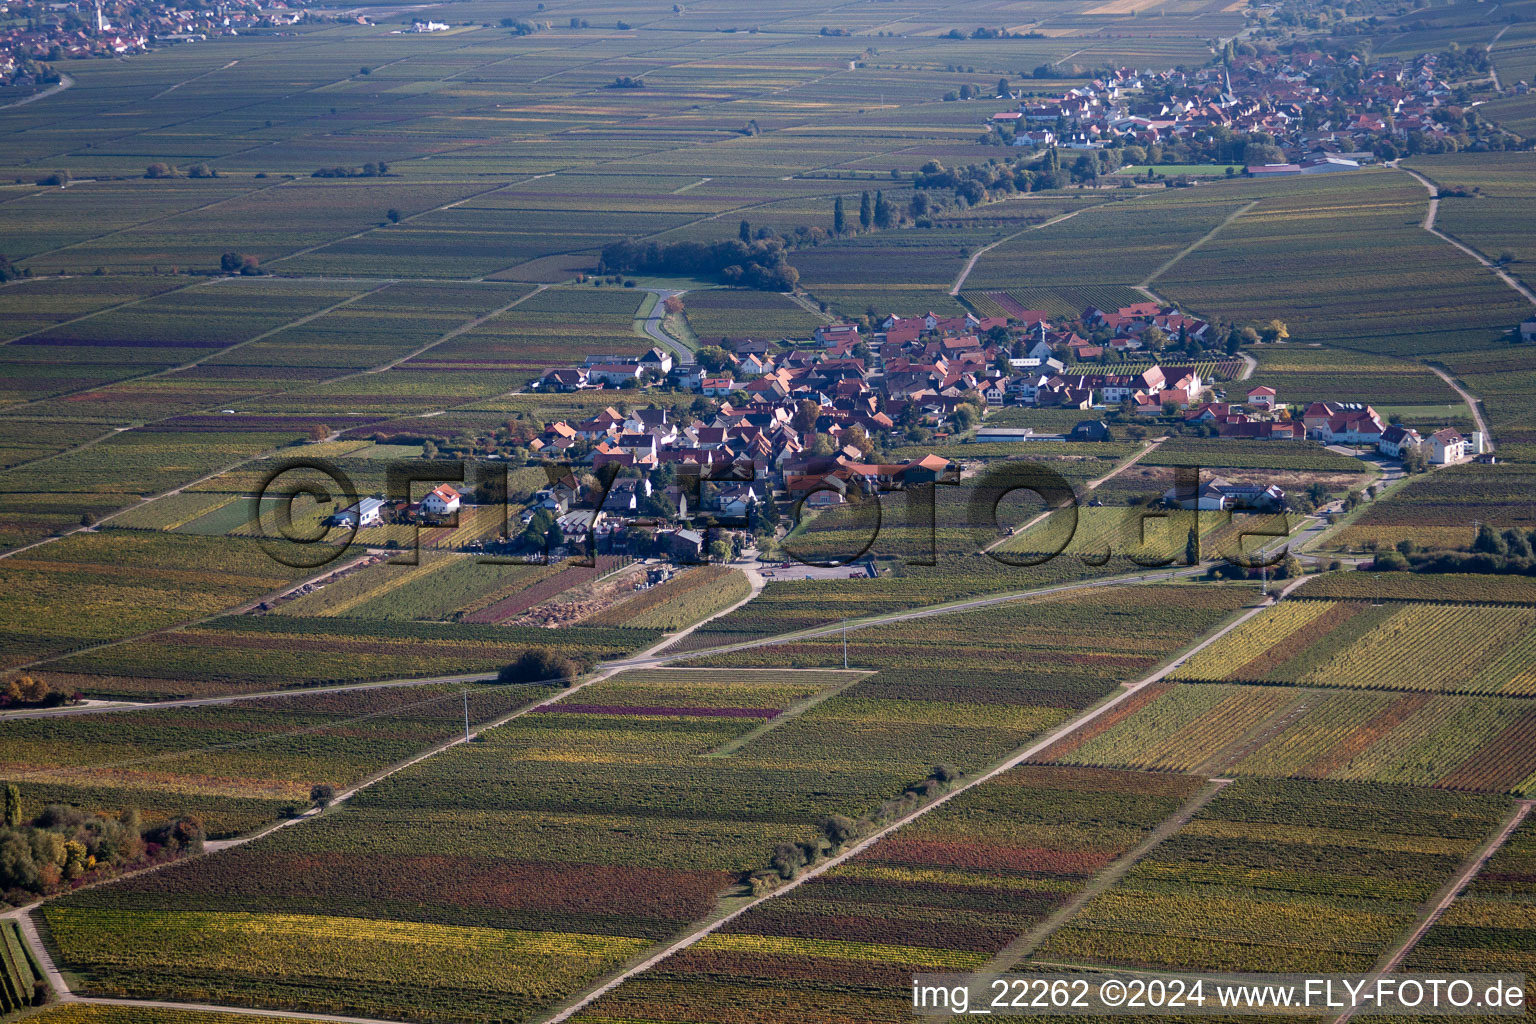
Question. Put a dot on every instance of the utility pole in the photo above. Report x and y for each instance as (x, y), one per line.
(466, 716)
(845, 643)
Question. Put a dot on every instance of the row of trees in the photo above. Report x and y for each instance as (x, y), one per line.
(368, 170)
(1511, 552)
(760, 264)
(31, 692)
(164, 170)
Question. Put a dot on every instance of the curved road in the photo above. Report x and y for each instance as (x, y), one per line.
(1429, 225)
(652, 326)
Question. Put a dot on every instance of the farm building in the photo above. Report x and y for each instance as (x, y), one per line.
(367, 512)
(441, 501)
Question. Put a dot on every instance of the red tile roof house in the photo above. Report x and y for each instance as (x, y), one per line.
(1262, 397)
(440, 501)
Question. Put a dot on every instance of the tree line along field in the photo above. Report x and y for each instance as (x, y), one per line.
(593, 827)
(236, 766)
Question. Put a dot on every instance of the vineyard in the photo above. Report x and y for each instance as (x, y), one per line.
(1438, 741)
(1488, 927)
(89, 1013)
(236, 766)
(944, 894)
(368, 246)
(1281, 876)
(1403, 586)
(236, 654)
(1438, 510)
(1396, 646)
(21, 979)
(547, 587)
(681, 601)
(596, 819)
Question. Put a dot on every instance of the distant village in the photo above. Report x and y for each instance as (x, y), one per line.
(50, 32)
(1325, 114)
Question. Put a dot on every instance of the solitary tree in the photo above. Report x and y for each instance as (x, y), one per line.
(866, 212)
(839, 219)
(1192, 547)
(12, 805)
(321, 794)
(393, 215)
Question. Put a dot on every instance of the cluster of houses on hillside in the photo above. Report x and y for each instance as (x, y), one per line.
(55, 31)
(1265, 93)
(1352, 424)
(918, 370)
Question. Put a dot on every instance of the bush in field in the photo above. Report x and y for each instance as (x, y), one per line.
(540, 665)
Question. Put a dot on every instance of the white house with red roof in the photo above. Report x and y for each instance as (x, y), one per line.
(1262, 397)
(440, 501)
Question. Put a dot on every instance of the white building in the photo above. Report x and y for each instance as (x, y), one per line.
(367, 512)
(441, 501)
(1397, 440)
(1446, 446)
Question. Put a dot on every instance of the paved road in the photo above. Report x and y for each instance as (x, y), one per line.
(652, 326)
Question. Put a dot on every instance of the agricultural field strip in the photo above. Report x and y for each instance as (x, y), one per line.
(171, 755)
(1446, 897)
(1473, 403)
(317, 37)
(588, 166)
(1429, 225)
(245, 194)
(1013, 760)
(649, 660)
(970, 264)
(1010, 955)
(449, 336)
(214, 353)
(237, 610)
(652, 658)
(788, 714)
(1146, 284)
